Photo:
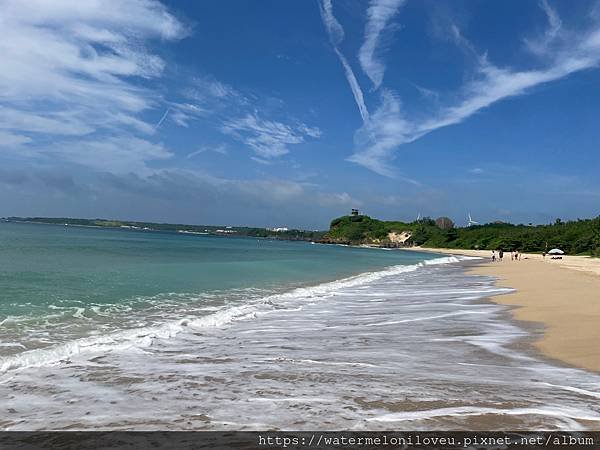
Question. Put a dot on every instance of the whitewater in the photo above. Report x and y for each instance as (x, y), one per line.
(409, 346)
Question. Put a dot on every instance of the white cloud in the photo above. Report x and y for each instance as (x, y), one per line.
(379, 14)
(333, 27)
(388, 129)
(337, 199)
(206, 88)
(58, 122)
(243, 116)
(494, 83)
(262, 161)
(68, 66)
(378, 137)
(183, 113)
(540, 45)
(313, 132)
(268, 139)
(118, 155)
(12, 140)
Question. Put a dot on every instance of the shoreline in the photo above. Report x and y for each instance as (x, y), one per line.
(561, 295)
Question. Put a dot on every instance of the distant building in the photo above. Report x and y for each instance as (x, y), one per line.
(354, 212)
(279, 229)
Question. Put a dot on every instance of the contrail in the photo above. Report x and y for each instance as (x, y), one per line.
(162, 119)
(356, 90)
(336, 35)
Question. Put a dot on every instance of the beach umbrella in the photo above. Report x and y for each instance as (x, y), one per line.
(556, 251)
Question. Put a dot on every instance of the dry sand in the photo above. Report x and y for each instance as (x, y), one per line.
(563, 295)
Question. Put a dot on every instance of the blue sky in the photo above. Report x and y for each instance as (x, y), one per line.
(290, 113)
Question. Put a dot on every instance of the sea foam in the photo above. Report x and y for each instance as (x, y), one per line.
(145, 336)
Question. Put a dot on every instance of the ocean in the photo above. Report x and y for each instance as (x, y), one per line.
(110, 329)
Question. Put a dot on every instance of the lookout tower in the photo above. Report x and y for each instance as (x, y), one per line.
(354, 212)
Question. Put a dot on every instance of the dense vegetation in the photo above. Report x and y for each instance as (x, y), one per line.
(302, 235)
(363, 230)
(574, 237)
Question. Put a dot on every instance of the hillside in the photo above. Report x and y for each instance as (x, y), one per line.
(574, 237)
(362, 229)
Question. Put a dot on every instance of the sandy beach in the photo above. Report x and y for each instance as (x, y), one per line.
(562, 295)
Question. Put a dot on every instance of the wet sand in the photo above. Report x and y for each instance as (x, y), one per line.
(562, 295)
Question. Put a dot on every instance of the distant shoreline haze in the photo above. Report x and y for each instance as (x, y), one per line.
(218, 230)
(580, 236)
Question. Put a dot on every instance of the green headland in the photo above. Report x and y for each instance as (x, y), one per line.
(574, 237)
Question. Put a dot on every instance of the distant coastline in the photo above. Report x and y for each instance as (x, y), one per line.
(212, 230)
(579, 237)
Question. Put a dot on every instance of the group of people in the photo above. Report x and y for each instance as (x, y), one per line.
(514, 255)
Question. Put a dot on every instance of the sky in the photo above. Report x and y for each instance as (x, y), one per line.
(271, 113)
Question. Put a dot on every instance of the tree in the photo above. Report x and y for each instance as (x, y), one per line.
(451, 234)
(444, 223)
(596, 236)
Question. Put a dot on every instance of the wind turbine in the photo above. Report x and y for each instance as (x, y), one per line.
(471, 221)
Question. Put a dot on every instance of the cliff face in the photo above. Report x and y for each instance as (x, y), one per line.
(399, 238)
(363, 230)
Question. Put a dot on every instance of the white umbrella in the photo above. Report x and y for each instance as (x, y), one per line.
(556, 251)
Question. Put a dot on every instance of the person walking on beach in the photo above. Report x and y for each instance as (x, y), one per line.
(500, 254)
(512, 255)
(493, 255)
(516, 255)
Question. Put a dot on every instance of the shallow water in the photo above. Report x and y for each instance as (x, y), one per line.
(59, 284)
(411, 346)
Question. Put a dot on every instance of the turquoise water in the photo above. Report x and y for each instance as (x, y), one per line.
(126, 330)
(58, 283)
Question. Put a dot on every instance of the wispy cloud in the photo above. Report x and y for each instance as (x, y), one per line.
(220, 149)
(378, 137)
(73, 69)
(264, 162)
(117, 154)
(183, 113)
(67, 55)
(12, 139)
(268, 139)
(244, 117)
(379, 14)
(378, 140)
(207, 89)
(338, 199)
(336, 36)
(495, 83)
(386, 129)
(540, 44)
